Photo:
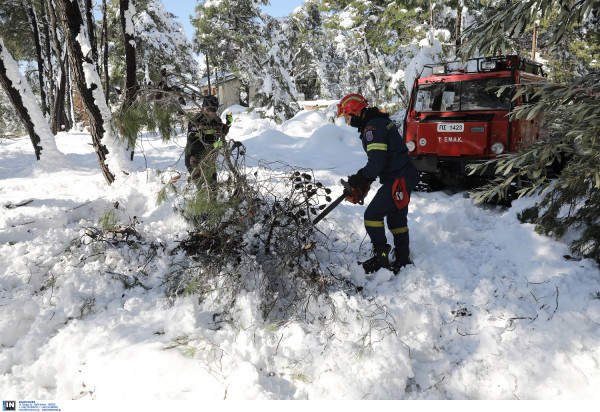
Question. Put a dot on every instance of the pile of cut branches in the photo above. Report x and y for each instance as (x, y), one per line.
(252, 230)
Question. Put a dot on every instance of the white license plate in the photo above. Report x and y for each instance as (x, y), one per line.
(451, 127)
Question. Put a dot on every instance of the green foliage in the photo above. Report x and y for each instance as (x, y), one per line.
(207, 212)
(250, 230)
(520, 174)
(16, 31)
(156, 117)
(378, 40)
(238, 38)
(564, 166)
(109, 220)
(10, 123)
(491, 34)
(159, 45)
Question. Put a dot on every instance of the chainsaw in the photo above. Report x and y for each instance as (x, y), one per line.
(348, 191)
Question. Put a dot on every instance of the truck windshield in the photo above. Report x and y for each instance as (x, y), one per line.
(469, 95)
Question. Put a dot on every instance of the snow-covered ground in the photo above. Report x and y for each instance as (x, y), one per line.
(490, 309)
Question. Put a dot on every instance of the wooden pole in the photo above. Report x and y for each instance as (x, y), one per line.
(458, 28)
(208, 74)
(534, 41)
(431, 5)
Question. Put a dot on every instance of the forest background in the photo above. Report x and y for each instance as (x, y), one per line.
(125, 66)
(100, 279)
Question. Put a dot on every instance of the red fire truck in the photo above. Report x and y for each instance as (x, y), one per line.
(460, 116)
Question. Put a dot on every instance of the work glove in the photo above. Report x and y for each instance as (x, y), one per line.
(358, 193)
(227, 125)
(360, 187)
(356, 180)
(218, 143)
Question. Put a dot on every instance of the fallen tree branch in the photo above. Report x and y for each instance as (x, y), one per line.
(11, 206)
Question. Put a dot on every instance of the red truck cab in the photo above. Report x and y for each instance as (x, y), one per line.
(460, 116)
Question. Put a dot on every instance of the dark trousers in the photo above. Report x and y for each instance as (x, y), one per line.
(199, 157)
(383, 206)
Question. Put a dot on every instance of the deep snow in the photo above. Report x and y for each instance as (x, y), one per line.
(490, 309)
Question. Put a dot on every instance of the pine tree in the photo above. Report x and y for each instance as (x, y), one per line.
(110, 153)
(306, 34)
(15, 30)
(571, 201)
(21, 96)
(61, 94)
(378, 40)
(161, 45)
(9, 118)
(150, 89)
(237, 37)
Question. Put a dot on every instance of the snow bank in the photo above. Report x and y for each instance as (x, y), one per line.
(489, 310)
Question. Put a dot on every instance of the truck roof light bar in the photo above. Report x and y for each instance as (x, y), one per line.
(485, 64)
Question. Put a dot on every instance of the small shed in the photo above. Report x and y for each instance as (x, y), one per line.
(226, 86)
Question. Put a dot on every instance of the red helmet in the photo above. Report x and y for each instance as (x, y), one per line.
(351, 104)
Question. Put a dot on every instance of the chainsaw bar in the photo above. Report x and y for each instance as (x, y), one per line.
(335, 203)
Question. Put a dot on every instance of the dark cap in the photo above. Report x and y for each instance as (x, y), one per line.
(210, 101)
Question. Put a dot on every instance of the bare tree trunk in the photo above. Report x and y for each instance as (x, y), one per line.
(58, 118)
(70, 121)
(58, 112)
(208, 75)
(431, 6)
(91, 29)
(17, 101)
(368, 59)
(84, 66)
(458, 25)
(534, 40)
(48, 51)
(23, 100)
(104, 42)
(127, 9)
(38, 51)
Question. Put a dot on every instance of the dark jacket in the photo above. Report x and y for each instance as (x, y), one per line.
(202, 133)
(387, 154)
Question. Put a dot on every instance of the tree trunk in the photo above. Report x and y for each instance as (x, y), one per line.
(48, 52)
(458, 26)
(91, 29)
(15, 97)
(69, 98)
(58, 112)
(89, 87)
(23, 100)
(38, 52)
(368, 59)
(58, 117)
(105, 45)
(127, 10)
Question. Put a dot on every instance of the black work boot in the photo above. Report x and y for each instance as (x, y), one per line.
(400, 258)
(379, 260)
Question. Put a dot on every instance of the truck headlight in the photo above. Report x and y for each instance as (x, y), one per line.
(498, 148)
(488, 65)
(411, 145)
